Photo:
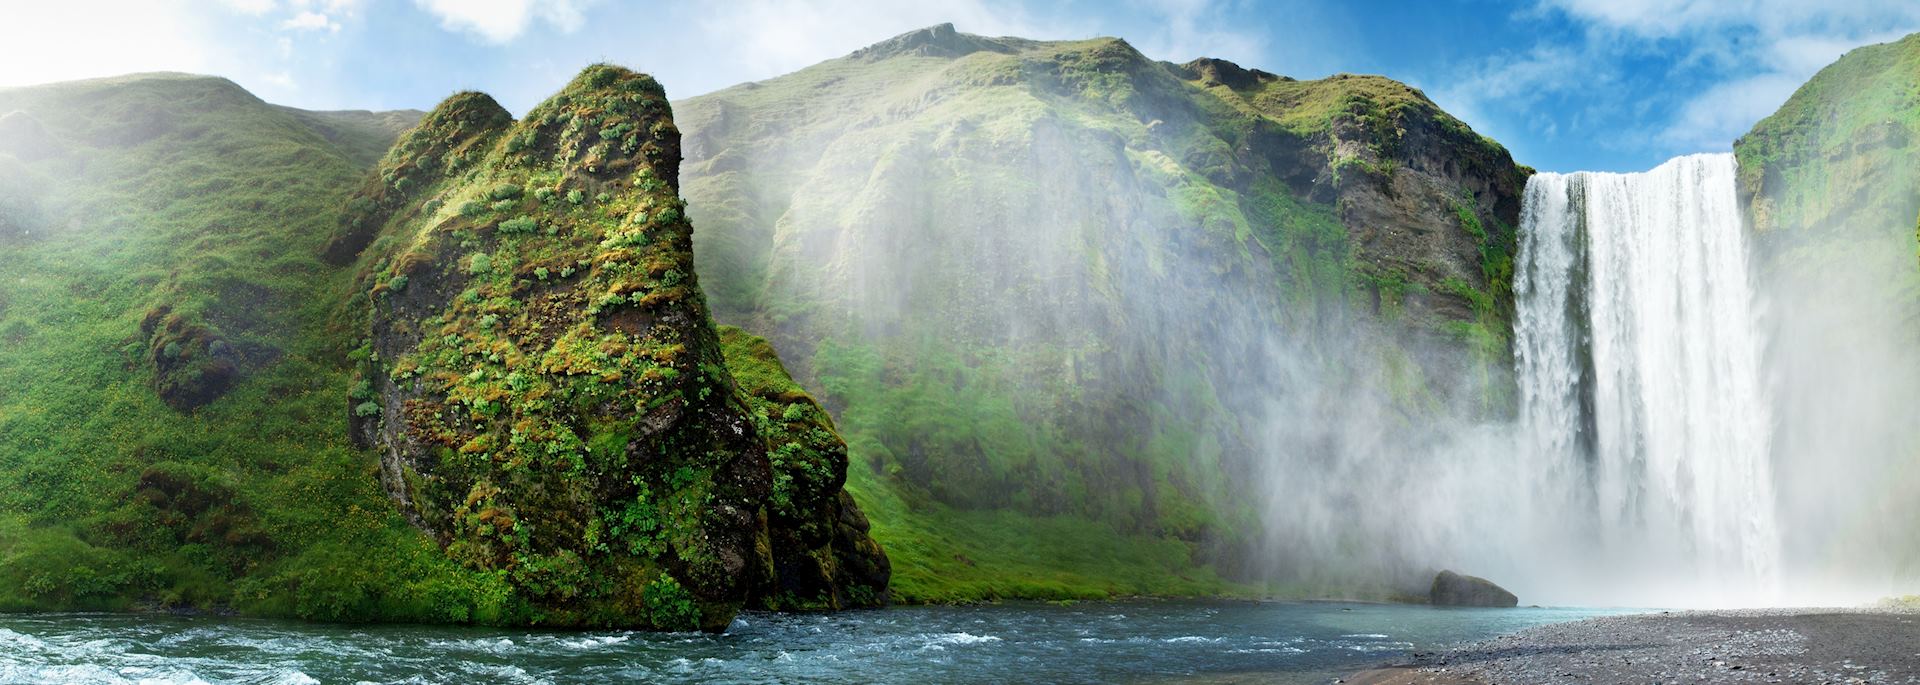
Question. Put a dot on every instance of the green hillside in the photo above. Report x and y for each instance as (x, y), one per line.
(172, 427)
(1063, 298)
(198, 358)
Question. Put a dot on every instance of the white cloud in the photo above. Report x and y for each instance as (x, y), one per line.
(1676, 18)
(279, 79)
(1508, 78)
(1767, 48)
(251, 7)
(73, 39)
(1711, 120)
(501, 21)
(310, 21)
(1190, 29)
(1509, 82)
(346, 8)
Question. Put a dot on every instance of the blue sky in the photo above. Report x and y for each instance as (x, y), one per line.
(1566, 84)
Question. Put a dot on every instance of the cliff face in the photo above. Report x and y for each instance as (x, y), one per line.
(551, 400)
(1063, 282)
(1430, 208)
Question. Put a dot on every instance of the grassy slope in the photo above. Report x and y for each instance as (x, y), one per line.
(1828, 159)
(1030, 507)
(940, 552)
(1830, 175)
(188, 192)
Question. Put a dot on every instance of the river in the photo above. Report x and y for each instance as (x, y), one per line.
(1141, 641)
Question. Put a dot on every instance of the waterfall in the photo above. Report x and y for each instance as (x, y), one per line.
(1639, 363)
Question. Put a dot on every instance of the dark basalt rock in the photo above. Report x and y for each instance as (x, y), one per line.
(1454, 590)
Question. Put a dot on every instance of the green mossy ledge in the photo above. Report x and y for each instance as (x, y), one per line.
(549, 397)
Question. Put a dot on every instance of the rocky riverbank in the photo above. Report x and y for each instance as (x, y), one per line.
(1749, 646)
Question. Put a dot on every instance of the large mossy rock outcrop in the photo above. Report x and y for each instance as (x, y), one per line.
(548, 394)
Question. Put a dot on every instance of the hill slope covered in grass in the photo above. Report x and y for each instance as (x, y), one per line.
(1089, 321)
(171, 428)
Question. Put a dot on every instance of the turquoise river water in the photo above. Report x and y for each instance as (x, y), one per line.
(1093, 642)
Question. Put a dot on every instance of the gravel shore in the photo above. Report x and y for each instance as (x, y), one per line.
(1750, 646)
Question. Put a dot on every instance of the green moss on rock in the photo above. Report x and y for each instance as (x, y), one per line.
(552, 402)
(823, 557)
(452, 137)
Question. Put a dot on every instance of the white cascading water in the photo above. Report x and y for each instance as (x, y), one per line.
(1639, 361)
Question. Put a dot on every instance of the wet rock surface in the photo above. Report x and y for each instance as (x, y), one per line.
(1749, 646)
(1456, 590)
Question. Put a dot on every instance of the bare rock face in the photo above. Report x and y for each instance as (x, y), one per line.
(548, 393)
(1454, 590)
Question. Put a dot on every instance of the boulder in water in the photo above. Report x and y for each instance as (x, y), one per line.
(1456, 590)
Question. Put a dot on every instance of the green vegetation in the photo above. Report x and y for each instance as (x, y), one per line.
(214, 310)
(175, 257)
(1830, 187)
(583, 439)
(514, 403)
(823, 557)
(179, 344)
(1030, 371)
(1829, 158)
(1829, 180)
